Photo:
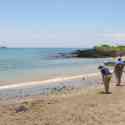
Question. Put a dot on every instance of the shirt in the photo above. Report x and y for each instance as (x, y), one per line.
(119, 62)
(105, 71)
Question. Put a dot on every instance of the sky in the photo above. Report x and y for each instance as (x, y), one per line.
(61, 23)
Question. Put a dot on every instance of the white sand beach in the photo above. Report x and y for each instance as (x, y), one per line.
(80, 107)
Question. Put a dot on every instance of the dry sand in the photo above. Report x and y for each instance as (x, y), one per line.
(83, 107)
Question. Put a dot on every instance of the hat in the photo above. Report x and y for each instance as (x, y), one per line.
(100, 67)
(119, 59)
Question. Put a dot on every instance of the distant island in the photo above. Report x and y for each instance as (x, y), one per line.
(3, 47)
(102, 51)
(2, 44)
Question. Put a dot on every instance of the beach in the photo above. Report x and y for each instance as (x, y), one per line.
(81, 105)
(72, 97)
(46, 87)
(77, 107)
(61, 62)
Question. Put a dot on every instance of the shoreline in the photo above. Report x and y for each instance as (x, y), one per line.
(21, 90)
(39, 75)
(46, 87)
(43, 82)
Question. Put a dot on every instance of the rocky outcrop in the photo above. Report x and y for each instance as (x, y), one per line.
(99, 52)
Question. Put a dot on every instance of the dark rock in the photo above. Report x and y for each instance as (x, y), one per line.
(21, 108)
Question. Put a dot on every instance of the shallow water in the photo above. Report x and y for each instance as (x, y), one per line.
(33, 64)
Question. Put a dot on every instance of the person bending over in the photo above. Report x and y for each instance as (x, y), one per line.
(106, 77)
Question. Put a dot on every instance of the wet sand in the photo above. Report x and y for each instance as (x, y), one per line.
(47, 86)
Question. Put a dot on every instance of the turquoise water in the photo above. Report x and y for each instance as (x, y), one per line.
(27, 64)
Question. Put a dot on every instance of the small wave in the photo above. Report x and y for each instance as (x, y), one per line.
(44, 82)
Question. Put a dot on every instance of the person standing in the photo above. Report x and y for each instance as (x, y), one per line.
(106, 77)
(118, 70)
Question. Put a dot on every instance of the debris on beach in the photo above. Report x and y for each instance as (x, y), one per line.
(21, 108)
(83, 78)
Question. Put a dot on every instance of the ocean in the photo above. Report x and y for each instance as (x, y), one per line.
(36, 64)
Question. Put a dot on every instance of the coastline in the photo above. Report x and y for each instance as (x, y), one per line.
(23, 65)
(47, 86)
(60, 79)
(45, 74)
(69, 106)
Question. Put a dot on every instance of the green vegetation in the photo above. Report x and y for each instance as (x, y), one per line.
(102, 51)
(111, 48)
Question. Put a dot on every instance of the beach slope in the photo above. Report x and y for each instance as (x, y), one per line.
(91, 107)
